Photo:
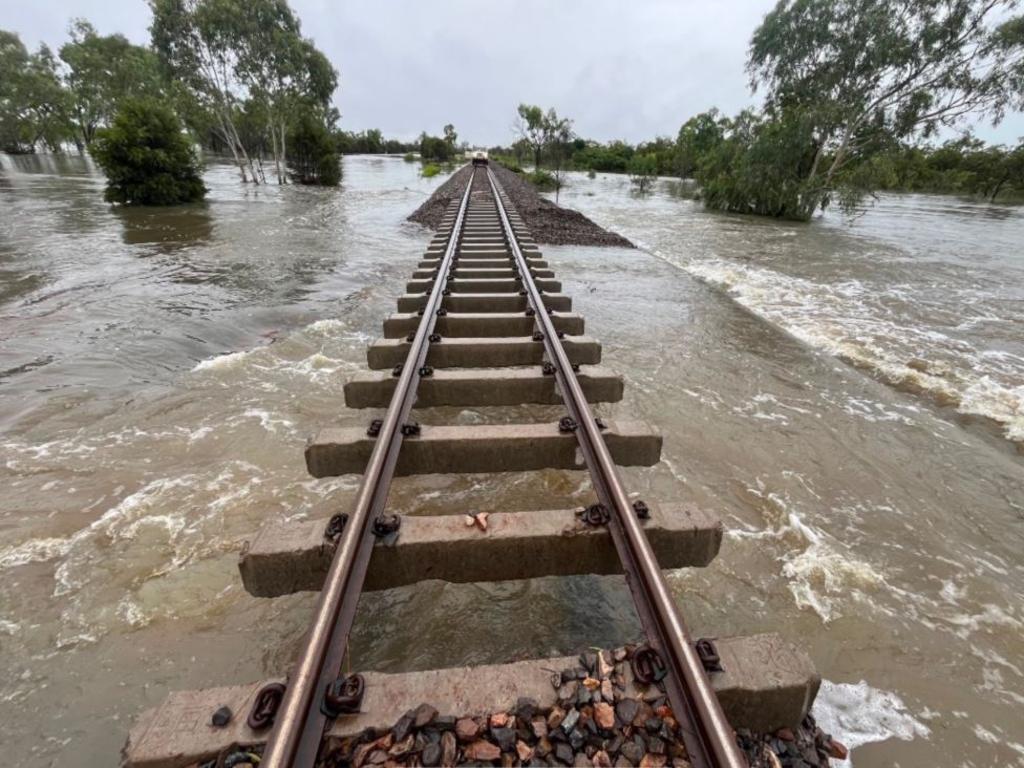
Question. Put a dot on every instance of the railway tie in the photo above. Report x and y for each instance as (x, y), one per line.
(483, 322)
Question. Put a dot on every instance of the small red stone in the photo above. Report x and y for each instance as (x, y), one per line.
(838, 750)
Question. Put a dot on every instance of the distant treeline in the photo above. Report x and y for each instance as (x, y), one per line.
(372, 142)
(966, 166)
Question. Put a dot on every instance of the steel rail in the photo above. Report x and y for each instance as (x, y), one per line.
(707, 734)
(299, 723)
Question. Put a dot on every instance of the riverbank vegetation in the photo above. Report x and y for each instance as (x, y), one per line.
(241, 77)
(856, 94)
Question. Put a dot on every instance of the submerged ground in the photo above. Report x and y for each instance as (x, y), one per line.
(162, 369)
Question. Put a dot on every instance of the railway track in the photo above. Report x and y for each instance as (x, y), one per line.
(483, 323)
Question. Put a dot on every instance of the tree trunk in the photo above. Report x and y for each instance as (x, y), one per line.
(273, 148)
(228, 137)
(995, 191)
(284, 155)
(241, 149)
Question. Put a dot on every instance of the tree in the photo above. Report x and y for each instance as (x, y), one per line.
(531, 129)
(435, 148)
(697, 137)
(856, 74)
(235, 54)
(314, 157)
(543, 131)
(760, 166)
(450, 136)
(103, 71)
(558, 138)
(33, 102)
(147, 157)
(187, 35)
(282, 71)
(643, 170)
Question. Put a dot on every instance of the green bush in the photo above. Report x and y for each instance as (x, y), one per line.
(312, 154)
(409, 157)
(147, 158)
(543, 180)
(430, 170)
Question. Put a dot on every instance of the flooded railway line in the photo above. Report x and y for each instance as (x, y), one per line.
(483, 322)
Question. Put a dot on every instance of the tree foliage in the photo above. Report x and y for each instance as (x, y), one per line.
(698, 136)
(543, 132)
(436, 148)
(643, 170)
(850, 76)
(235, 55)
(147, 157)
(33, 102)
(314, 156)
(102, 72)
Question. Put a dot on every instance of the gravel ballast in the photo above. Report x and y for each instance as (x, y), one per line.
(549, 223)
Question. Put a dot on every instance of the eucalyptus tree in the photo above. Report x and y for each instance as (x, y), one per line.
(102, 72)
(282, 70)
(846, 76)
(450, 136)
(696, 138)
(190, 38)
(542, 131)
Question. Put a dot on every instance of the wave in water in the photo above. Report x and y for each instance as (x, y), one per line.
(841, 319)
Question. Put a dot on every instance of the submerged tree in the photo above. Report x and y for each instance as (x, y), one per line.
(847, 76)
(241, 55)
(697, 137)
(314, 155)
(282, 70)
(643, 170)
(147, 157)
(188, 37)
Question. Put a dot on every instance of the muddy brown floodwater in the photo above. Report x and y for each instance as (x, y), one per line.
(847, 398)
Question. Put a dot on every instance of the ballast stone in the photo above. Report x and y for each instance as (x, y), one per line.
(768, 683)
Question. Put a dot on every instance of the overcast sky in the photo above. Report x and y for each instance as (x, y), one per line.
(628, 69)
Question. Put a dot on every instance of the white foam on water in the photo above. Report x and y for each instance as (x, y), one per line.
(9, 627)
(857, 714)
(113, 522)
(33, 551)
(331, 327)
(984, 734)
(227, 361)
(820, 569)
(820, 575)
(987, 398)
(267, 421)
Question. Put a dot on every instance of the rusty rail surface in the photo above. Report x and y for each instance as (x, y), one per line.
(314, 687)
